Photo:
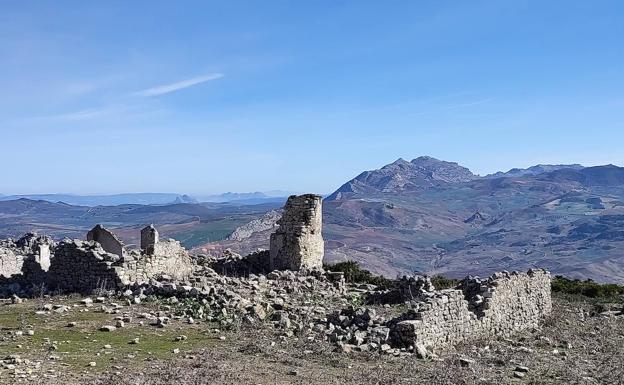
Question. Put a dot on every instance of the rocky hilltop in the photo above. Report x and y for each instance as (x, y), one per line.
(401, 175)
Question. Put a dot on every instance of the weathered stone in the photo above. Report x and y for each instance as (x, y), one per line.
(298, 242)
(500, 305)
(106, 239)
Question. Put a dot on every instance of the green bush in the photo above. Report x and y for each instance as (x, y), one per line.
(440, 282)
(355, 274)
(586, 288)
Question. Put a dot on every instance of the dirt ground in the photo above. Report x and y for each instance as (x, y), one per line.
(575, 345)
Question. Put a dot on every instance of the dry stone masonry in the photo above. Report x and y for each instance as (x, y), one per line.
(25, 260)
(298, 243)
(500, 305)
(101, 262)
(149, 239)
(106, 239)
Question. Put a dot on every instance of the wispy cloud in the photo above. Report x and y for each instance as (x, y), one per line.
(468, 104)
(118, 112)
(168, 88)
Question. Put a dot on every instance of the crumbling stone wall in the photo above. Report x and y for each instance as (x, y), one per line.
(169, 258)
(233, 264)
(499, 305)
(80, 266)
(298, 242)
(28, 256)
(84, 266)
(10, 262)
(108, 240)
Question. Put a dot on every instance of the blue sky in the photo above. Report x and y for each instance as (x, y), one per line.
(206, 97)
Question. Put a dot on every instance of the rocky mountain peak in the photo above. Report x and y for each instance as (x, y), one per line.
(401, 175)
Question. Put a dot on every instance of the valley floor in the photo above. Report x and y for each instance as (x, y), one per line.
(574, 345)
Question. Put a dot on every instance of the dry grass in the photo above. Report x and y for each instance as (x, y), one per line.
(590, 351)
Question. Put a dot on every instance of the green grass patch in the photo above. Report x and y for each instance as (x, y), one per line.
(77, 346)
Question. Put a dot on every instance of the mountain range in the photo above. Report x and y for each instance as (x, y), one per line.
(191, 223)
(425, 215)
(437, 217)
(152, 198)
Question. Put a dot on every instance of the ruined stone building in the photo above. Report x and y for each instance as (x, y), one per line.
(100, 262)
(298, 243)
(103, 261)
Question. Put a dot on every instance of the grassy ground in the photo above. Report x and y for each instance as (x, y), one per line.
(574, 345)
(70, 350)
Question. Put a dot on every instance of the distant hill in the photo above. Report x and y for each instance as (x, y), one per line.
(246, 198)
(535, 170)
(191, 223)
(154, 198)
(107, 200)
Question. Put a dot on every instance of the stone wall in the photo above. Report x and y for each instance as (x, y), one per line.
(10, 262)
(298, 242)
(169, 258)
(106, 239)
(80, 266)
(83, 266)
(499, 305)
(29, 255)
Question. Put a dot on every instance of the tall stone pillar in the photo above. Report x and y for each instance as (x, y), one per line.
(298, 243)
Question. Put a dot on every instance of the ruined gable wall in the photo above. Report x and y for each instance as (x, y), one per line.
(500, 305)
(298, 242)
(108, 240)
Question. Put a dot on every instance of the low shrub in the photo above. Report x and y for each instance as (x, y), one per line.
(588, 288)
(440, 282)
(355, 274)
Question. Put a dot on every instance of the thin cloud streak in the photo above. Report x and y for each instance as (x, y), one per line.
(168, 88)
(93, 114)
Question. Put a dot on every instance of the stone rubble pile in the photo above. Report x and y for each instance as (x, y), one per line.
(356, 329)
(217, 297)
